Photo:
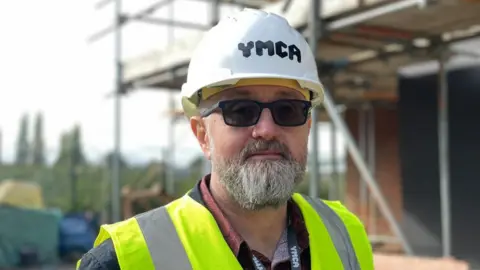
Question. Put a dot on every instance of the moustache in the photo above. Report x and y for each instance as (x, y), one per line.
(256, 146)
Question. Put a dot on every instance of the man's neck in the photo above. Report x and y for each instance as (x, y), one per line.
(261, 229)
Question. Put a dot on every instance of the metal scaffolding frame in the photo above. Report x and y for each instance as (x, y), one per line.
(373, 31)
(120, 20)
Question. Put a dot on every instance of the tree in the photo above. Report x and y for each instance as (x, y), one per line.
(109, 160)
(63, 157)
(71, 157)
(1, 146)
(38, 155)
(77, 146)
(23, 147)
(71, 149)
(197, 167)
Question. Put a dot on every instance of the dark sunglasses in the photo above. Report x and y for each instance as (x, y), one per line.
(246, 112)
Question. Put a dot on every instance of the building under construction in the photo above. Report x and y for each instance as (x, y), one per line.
(410, 138)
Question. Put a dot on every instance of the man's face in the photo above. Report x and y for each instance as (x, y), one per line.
(259, 165)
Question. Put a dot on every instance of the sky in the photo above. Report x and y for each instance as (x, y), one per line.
(48, 66)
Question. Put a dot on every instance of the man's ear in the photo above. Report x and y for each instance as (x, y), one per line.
(309, 123)
(199, 129)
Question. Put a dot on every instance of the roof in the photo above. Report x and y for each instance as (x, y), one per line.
(368, 43)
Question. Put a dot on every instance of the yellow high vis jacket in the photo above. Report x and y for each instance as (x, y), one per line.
(184, 235)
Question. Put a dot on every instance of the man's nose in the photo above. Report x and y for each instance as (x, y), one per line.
(265, 128)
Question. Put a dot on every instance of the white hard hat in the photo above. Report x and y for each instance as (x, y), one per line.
(252, 44)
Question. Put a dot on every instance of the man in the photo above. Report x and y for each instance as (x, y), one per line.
(251, 85)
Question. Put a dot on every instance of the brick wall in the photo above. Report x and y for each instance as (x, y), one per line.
(387, 170)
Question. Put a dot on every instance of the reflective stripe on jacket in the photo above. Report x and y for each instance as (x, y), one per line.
(183, 235)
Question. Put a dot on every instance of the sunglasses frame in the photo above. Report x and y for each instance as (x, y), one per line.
(263, 105)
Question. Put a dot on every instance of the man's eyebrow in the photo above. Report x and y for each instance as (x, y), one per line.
(293, 94)
(237, 92)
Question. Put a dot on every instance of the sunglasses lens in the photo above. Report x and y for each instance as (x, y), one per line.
(241, 113)
(290, 112)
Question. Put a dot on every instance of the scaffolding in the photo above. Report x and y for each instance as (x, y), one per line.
(359, 45)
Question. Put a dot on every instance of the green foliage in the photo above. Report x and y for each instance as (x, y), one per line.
(93, 184)
(71, 149)
(23, 147)
(108, 160)
(38, 151)
(63, 155)
(182, 186)
(77, 146)
(324, 185)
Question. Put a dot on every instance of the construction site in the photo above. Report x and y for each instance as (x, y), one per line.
(410, 135)
(402, 91)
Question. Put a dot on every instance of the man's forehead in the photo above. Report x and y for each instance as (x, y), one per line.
(260, 91)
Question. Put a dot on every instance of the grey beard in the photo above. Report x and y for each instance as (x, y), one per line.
(258, 184)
